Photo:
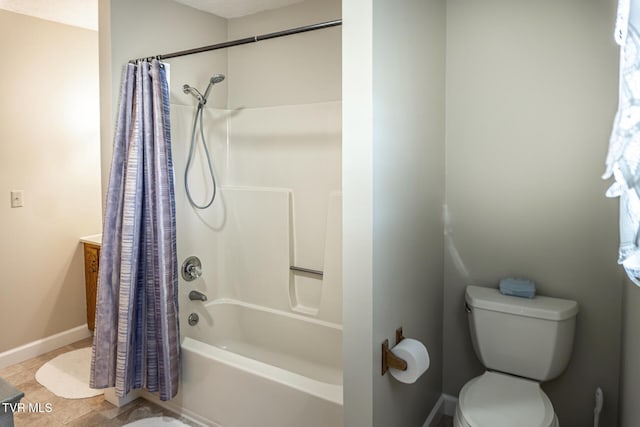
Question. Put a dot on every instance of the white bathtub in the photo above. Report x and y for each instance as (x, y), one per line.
(245, 366)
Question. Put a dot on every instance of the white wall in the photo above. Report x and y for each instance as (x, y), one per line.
(357, 211)
(49, 149)
(408, 195)
(394, 192)
(531, 94)
(300, 69)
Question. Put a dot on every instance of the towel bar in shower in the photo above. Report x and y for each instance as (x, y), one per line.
(307, 270)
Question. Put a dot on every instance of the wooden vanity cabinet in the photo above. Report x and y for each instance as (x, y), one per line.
(91, 264)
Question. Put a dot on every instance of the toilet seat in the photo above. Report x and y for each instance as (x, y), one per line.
(499, 400)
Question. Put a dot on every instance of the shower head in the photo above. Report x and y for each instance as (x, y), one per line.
(202, 99)
(217, 78)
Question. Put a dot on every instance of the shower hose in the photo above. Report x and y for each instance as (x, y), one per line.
(198, 118)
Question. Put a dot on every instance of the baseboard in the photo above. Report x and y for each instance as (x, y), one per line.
(445, 405)
(178, 409)
(450, 403)
(119, 402)
(44, 345)
(435, 414)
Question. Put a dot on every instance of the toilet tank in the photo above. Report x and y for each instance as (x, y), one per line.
(531, 338)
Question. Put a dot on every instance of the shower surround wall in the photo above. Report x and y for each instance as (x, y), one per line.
(278, 204)
(296, 79)
(285, 95)
(281, 130)
(273, 128)
(277, 156)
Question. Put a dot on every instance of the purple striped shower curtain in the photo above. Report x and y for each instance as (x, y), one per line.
(136, 340)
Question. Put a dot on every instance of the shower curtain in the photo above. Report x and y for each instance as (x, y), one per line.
(136, 339)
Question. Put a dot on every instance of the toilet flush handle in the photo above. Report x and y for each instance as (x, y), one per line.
(467, 308)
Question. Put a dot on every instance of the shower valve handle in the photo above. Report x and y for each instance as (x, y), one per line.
(194, 271)
(191, 268)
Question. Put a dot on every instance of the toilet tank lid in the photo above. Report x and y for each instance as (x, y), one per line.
(540, 307)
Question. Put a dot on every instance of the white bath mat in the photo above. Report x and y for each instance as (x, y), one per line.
(67, 375)
(157, 422)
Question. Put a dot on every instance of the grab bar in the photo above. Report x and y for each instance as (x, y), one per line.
(307, 270)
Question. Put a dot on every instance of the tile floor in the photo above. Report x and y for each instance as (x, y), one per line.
(94, 411)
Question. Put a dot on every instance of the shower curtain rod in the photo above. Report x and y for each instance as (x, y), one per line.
(246, 40)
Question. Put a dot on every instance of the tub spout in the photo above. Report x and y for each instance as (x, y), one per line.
(197, 296)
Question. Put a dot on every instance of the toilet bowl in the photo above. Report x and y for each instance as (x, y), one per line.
(521, 342)
(498, 400)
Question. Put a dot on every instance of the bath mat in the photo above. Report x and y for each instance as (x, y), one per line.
(67, 375)
(157, 422)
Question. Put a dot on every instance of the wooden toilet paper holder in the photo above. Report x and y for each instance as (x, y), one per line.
(390, 360)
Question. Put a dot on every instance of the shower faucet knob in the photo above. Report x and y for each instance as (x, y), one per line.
(194, 271)
(191, 268)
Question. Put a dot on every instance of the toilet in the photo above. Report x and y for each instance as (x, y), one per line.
(521, 342)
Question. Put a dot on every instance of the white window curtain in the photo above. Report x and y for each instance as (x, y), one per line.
(623, 159)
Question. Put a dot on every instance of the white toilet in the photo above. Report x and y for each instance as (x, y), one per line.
(521, 342)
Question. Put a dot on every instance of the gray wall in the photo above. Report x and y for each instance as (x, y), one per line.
(408, 194)
(393, 187)
(531, 94)
(629, 384)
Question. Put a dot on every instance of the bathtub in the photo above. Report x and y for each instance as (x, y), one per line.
(245, 365)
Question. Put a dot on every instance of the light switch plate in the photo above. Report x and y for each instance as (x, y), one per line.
(17, 200)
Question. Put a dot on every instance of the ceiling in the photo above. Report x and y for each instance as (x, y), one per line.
(79, 13)
(236, 8)
(84, 13)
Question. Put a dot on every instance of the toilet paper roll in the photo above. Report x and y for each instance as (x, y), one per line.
(417, 358)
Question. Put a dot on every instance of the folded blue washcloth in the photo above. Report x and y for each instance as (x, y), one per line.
(518, 287)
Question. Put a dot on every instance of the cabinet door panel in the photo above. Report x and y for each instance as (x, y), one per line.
(91, 264)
